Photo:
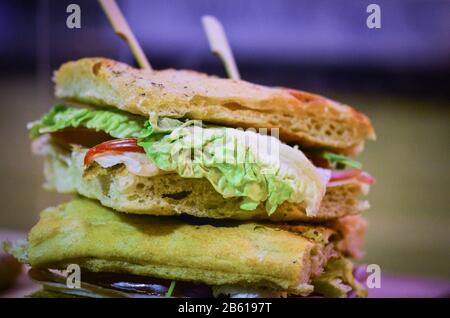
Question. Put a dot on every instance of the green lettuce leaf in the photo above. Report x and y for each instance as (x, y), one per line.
(340, 159)
(116, 123)
(161, 125)
(222, 156)
(338, 280)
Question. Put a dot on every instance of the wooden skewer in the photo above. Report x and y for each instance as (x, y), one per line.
(123, 30)
(219, 45)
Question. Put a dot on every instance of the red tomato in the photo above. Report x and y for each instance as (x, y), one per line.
(114, 146)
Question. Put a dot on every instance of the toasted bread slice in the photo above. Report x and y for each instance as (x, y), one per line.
(170, 194)
(302, 118)
(238, 254)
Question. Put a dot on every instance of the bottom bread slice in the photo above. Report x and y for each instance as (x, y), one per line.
(248, 255)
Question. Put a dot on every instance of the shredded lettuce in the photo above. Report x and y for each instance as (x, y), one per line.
(230, 160)
(338, 280)
(161, 125)
(340, 159)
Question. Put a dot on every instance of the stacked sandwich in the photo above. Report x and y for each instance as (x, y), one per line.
(185, 190)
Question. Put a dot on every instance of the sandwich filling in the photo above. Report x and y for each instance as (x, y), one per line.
(257, 168)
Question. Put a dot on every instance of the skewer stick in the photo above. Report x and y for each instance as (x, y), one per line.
(123, 30)
(219, 45)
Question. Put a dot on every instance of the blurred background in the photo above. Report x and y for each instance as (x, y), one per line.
(399, 75)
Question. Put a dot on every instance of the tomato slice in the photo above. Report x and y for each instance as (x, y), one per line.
(113, 146)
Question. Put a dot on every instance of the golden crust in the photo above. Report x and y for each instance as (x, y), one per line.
(302, 118)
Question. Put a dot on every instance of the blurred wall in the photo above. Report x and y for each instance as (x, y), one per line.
(398, 75)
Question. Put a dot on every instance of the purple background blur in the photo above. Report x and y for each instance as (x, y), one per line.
(315, 44)
(399, 75)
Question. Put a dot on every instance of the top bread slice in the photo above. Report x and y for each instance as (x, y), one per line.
(302, 118)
